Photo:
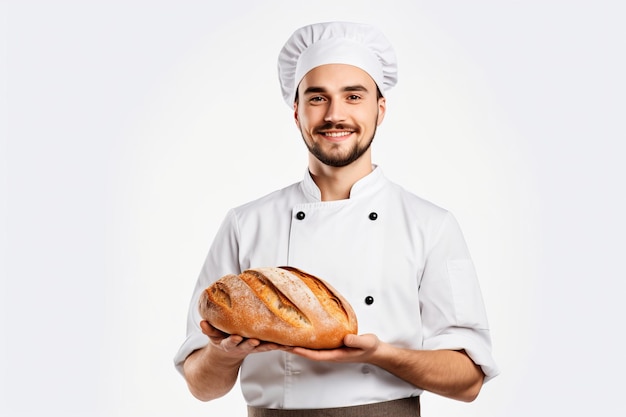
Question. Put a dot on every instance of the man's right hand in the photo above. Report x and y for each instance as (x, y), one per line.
(235, 346)
(212, 370)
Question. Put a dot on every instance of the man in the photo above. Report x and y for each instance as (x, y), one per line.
(400, 261)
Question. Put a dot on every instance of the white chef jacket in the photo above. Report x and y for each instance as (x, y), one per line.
(400, 261)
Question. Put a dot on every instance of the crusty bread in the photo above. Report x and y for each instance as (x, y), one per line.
(283, 305)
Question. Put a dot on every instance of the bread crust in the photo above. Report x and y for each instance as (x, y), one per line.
(284, 305)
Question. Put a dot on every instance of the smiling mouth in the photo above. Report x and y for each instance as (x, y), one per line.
(337, 134)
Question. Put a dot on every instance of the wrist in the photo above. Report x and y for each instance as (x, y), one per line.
(383, 353)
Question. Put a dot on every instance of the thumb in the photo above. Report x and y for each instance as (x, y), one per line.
(365, 342)
(351, 340)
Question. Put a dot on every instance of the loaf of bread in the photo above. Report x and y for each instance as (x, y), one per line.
(283, 305)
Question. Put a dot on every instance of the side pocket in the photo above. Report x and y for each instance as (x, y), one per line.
(468, 300)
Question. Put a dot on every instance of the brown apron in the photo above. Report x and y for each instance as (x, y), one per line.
(406, 407)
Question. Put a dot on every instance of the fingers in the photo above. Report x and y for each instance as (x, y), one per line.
(242, 346)
(238, 343)
(211, 331)
(235, 344)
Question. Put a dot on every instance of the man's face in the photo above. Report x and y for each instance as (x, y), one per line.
(337, 112)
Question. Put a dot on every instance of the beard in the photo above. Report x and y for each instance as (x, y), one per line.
(335, 159)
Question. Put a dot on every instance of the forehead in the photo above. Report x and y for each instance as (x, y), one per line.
(331, 76)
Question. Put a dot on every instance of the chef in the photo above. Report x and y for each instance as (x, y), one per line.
(400, 261)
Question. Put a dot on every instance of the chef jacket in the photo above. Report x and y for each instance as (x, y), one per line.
(400, 261)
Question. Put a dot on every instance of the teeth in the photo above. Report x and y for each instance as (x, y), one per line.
(337, 134)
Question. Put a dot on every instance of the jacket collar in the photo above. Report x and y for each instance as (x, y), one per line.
(366, 186)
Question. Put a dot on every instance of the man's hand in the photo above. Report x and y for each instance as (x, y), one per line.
(357, 348)
(234, 346)
(445, 372)
(212, 371)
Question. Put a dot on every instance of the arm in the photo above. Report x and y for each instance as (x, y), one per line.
(212, 371)
(445, 372)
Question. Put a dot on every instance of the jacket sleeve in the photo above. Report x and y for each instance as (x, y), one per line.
(221, 260)
(451, 303)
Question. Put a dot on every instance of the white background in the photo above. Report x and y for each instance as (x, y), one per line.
(130, 127)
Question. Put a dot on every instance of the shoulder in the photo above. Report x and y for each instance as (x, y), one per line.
(272, 201)
(417, 214)
(414, 202)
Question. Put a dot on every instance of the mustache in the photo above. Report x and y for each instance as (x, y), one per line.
(333, 126)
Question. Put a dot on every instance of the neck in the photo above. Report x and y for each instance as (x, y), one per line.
(335, 183)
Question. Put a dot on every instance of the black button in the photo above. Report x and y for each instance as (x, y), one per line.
(373, 215)
(369, 300)
(300, 215)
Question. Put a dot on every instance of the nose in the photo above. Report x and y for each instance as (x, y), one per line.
(335, 112)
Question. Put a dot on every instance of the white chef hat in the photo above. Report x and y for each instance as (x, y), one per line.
(361, 45)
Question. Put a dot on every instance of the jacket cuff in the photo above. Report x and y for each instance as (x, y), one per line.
(476, 349)
(194, 341)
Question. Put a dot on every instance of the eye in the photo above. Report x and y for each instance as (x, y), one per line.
(354, 97)
(316, 99)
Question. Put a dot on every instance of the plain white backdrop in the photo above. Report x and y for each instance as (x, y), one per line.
(129, 128)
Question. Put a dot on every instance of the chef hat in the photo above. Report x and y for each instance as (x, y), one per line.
(357, 44)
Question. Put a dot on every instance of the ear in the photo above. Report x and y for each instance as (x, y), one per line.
(295, 114)
(382, 110)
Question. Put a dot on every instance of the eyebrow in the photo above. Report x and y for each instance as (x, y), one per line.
(349, 88)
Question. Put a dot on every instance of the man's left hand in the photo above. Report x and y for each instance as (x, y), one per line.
(357, 348)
